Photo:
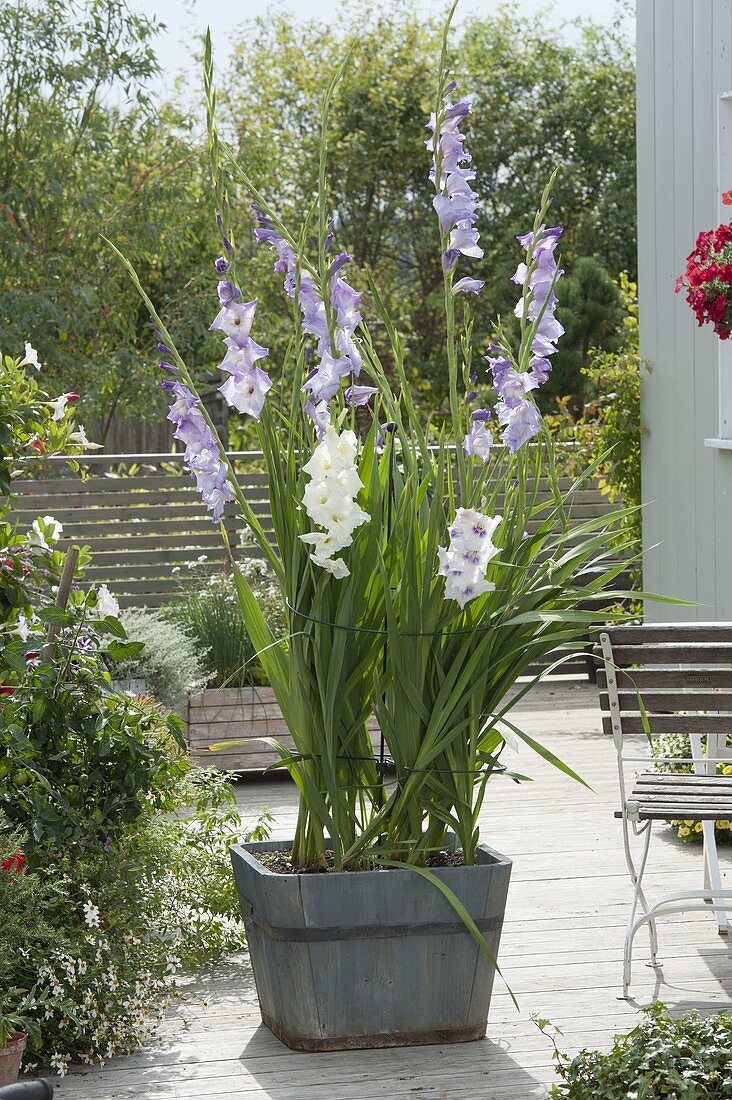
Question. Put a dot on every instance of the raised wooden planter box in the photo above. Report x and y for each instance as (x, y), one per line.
(223, 714)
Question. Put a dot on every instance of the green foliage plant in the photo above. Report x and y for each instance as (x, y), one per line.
(99, 939)
(208, 612)
(382, 637)
(688, 1058)
(171, 664)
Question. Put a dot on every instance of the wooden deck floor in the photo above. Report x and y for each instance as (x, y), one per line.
(561, 954)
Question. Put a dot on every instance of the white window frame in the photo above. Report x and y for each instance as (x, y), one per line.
(724, 347)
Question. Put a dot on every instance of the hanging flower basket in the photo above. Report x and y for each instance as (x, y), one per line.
(708, 277)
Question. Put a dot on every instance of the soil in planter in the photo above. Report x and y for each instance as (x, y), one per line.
(280, 862)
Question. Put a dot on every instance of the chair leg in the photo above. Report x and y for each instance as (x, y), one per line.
(712, 875)
(639, 897)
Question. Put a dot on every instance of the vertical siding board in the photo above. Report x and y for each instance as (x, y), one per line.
(662, 427)
(719, 491)
(684, 64)
(645, 131)
(681, 354)
(704, 424)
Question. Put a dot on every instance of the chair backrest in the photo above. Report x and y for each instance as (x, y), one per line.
(682, 671)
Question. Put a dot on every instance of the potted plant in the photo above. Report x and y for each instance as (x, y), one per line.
(17, 1029)
(421, 575)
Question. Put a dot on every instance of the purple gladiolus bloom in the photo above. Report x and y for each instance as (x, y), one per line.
(319, 415)
(521, 423)
(202, 458)
(449, 258)
(235, 320)
(465, 238)
(360, 395)
(478, 441)
(455, 201)
(512, 386)
(221, 265)
(482, 414)
(541, 369)
(246, 391)
(228, 292)
(468, 286)
(340, 261)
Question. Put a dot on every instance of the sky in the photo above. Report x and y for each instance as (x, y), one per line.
(185, 16)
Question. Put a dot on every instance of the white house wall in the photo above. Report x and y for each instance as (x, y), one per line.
(684, 65)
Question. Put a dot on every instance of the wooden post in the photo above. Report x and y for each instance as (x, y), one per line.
(62, 598)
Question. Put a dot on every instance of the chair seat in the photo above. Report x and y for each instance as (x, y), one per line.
(663, 797)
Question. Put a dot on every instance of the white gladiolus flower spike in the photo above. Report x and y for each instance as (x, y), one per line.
(464, 562)
(329, 499)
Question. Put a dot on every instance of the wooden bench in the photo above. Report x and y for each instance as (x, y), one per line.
(671, 678)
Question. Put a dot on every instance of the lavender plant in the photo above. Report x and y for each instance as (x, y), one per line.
(420, 579)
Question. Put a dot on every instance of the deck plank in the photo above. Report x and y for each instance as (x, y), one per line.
(561, 953)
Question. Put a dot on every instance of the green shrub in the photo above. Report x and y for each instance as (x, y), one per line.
(208, 611)
(78, 764)
(661, 1059)
(171, 663)
(107, 933)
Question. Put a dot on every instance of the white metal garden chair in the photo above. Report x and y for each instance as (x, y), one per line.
(656, 680)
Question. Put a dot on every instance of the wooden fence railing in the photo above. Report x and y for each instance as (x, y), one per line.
(143, 520)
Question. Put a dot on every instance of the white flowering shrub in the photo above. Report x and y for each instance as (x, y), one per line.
(103, 938)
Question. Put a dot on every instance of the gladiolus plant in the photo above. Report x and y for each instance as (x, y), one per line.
(422, 575)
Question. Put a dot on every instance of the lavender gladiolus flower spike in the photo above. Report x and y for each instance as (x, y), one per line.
(202, 457)
(338, 352)
(519, 416)
(247, 385)
(455, 202)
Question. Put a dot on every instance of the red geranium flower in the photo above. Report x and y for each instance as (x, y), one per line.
(15, 863)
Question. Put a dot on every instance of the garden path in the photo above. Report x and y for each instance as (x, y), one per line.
(561, 953)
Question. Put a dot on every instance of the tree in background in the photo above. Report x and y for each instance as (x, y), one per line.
(538, 102)
(84, 150)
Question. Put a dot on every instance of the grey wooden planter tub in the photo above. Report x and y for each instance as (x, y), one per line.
(370, 958)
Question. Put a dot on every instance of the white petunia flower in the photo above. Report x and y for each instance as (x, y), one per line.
(31, 357)
(80, 438)
(44, 531)
(107, 604)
